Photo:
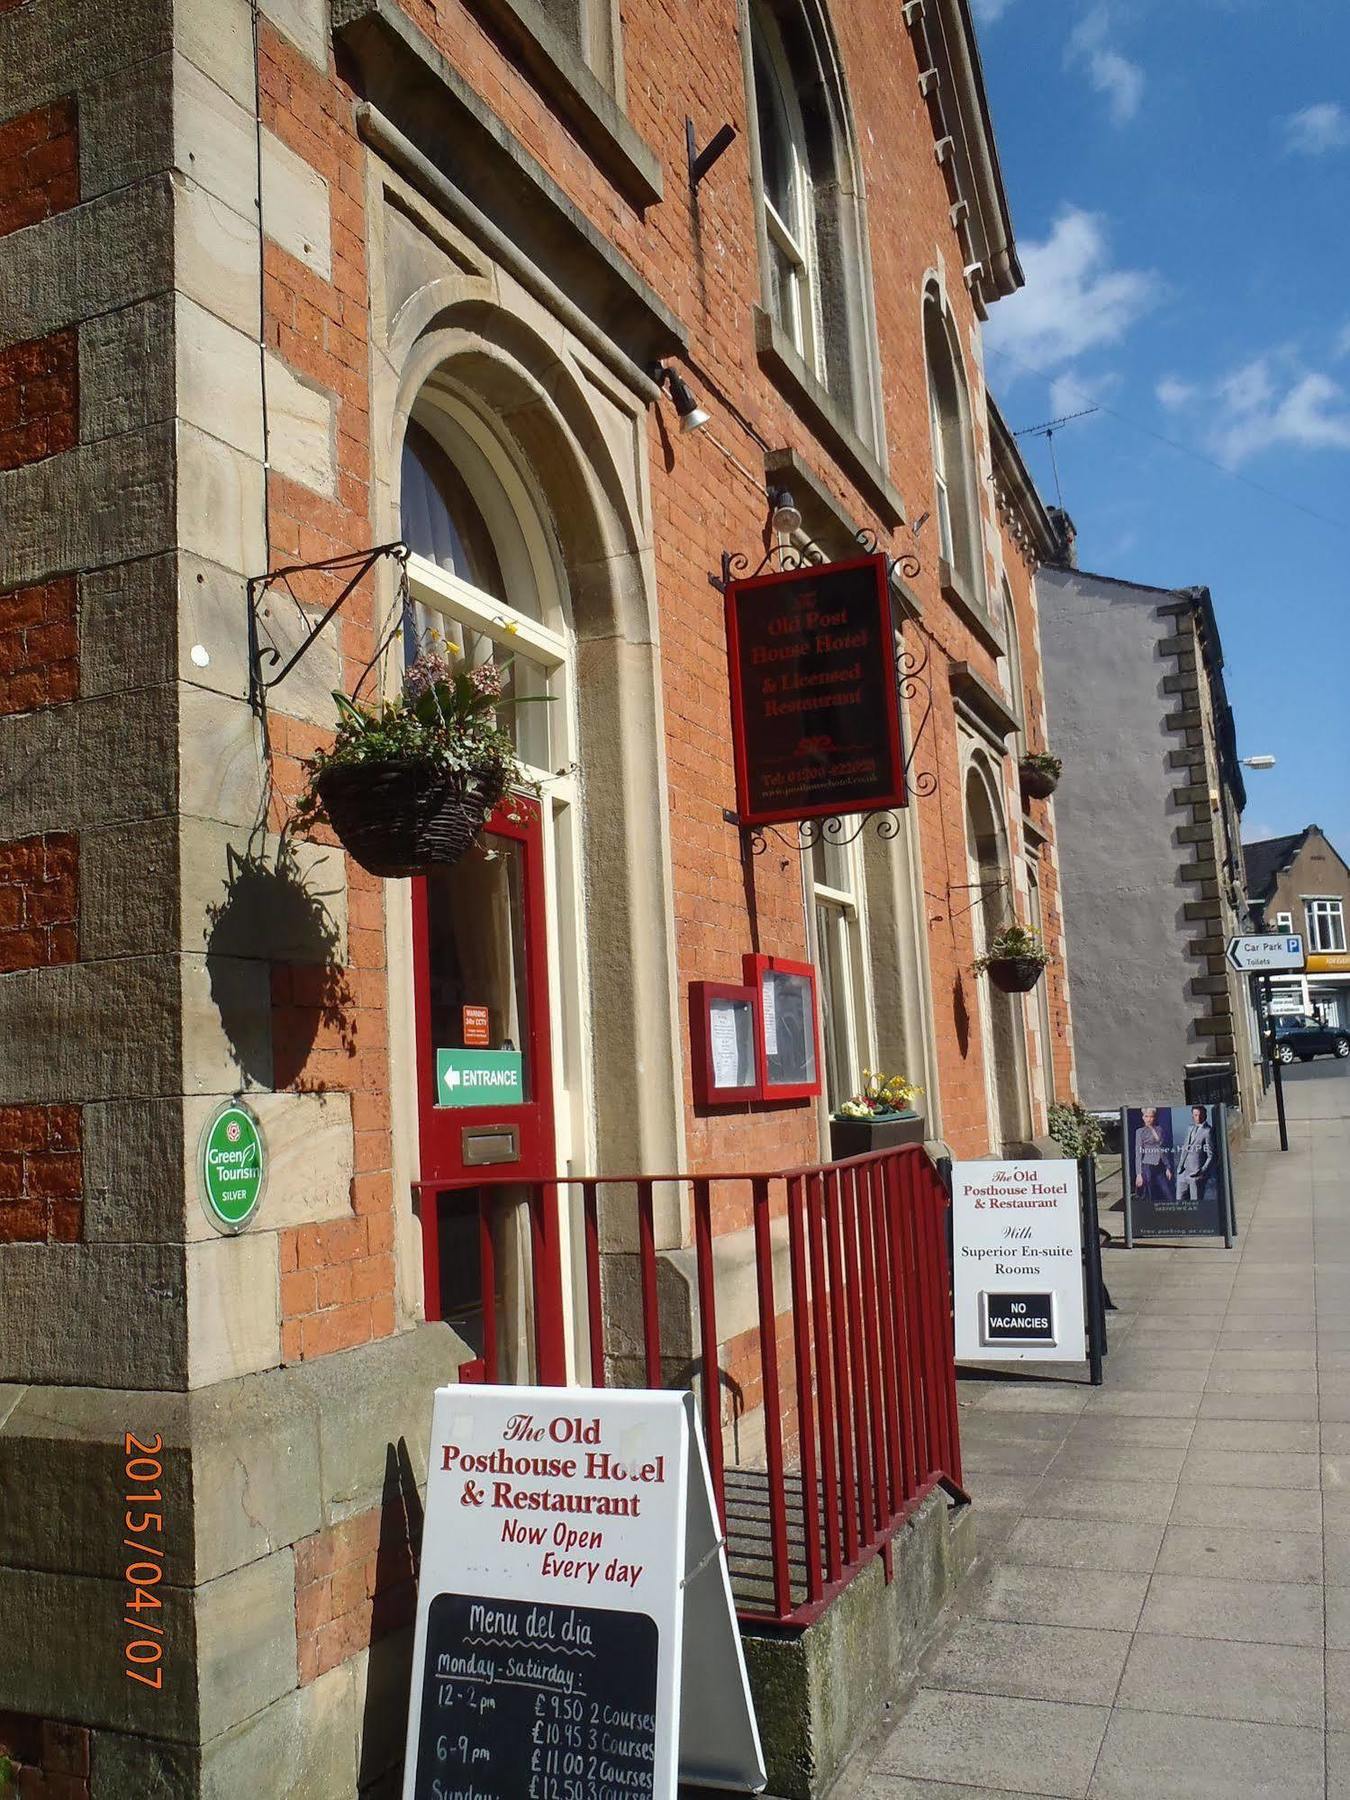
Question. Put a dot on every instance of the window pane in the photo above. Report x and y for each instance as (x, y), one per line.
(831, 942)
(777, 154)
(530, 725)
(476, 947)
(440, 518)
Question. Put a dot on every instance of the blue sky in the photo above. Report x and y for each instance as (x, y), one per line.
(1179, 174)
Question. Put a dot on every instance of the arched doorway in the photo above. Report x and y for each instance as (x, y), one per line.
(1001, 1019)
(496, 964)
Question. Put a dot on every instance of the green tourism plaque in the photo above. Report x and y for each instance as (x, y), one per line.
(232, 1166)
(479, 1078)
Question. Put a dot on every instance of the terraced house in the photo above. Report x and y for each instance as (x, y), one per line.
(324, 329)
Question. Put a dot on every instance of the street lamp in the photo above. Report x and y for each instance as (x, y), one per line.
(1257, 762)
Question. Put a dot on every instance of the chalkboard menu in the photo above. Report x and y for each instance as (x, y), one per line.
(815, 713)
(523, 1701)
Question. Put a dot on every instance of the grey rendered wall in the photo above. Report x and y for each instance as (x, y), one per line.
(1124, 896)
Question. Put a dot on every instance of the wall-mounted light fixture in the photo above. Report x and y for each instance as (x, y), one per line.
(1257, 762)
(784, 515)
(691, 415)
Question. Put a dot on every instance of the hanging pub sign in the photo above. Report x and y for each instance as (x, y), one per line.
(815, 712)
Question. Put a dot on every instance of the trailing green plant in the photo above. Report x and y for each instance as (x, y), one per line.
(1013, 943)
(446, 719)
(1078, 1132)
(1045, 762)
(7, 1774)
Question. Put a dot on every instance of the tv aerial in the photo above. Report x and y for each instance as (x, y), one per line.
(1047, 431)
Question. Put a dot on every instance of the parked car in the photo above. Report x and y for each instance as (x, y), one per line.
(1298, 1038)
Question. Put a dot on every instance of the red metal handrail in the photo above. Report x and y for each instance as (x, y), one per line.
(859, 1421)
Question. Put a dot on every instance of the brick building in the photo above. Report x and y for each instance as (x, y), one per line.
(281, 287)
(1300, 883)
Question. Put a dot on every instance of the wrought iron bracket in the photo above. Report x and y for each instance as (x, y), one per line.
(356, 566)
(786, 559)
(810, 832)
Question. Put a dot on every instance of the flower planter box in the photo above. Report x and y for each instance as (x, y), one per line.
(1016, 974)
(858, 1137)
(398, 818)
(1036, 784)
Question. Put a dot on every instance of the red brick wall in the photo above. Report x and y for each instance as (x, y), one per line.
(39, 901)
(39, 398)
(39, 164)
(354, 1583)
(50, 1760)
(39, 646)
(41, 1175)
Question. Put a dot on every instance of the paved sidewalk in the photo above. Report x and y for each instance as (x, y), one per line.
(1165, 1608)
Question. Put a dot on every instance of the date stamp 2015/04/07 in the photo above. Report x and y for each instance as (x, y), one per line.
(144, 1650)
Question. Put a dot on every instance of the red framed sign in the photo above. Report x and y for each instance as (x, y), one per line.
(789, 1027)
(724, 1041)
(815, 710)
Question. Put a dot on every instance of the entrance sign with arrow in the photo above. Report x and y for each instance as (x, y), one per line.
(479, 1078)
(1259, 955)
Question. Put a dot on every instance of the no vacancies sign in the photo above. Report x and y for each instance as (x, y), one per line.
(814, 708)
(1017, 1239)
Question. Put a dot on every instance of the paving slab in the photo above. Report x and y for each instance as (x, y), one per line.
(1032, 1661)
(1221, 1552)
(1266, 1612)
(1275, 1684)
(1024, 1746)
(1084, 1544)
(1164, 1756)
(1108, 1598)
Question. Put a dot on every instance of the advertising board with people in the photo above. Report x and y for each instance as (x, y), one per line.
(1176, 1172)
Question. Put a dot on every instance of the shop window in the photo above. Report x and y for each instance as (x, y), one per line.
(813, 240)
(844, 1012)
(1326, 924)
(955, 506)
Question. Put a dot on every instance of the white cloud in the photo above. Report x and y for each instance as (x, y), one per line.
(1115, 77)
(1075, 393)
(1261, 406)
(1074, 300)
(988, 12)
(1174, 394)
(1316, 129)
(1342, 347)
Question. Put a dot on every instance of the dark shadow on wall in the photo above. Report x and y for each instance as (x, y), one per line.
(961, 1015)
(274, 962)
(384, 1721)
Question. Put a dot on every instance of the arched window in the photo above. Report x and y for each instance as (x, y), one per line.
(483, 580)
(812, 237)
(1001, 1016)
(789, 199)
(954, 502)
(1012, 665)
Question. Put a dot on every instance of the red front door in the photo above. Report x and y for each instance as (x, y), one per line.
(485, 1082)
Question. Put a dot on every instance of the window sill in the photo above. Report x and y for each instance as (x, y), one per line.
(818, 407)
(966, 609)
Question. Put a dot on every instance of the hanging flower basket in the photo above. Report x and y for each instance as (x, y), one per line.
(1015, 960)
(1015, 974)
(408, 785)
(1038, 775)
(402, 818)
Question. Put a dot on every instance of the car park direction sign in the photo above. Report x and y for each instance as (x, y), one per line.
(1262, 955)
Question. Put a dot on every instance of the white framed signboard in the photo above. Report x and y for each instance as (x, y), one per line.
(1017, 1262)
(574, 1610)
